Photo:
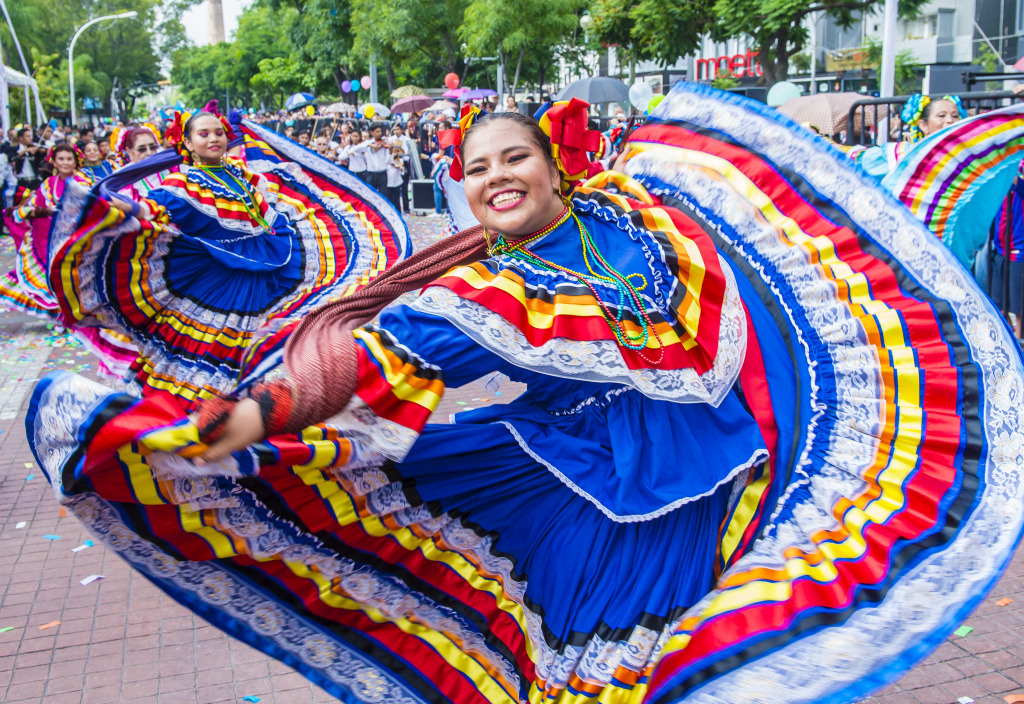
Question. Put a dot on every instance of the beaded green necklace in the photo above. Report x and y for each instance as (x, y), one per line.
(248, 200)
(628, 294)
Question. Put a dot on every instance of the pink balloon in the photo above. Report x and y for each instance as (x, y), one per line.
(365, 82)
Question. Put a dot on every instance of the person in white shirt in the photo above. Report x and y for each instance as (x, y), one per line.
(354, 153)
(378, 154)
(411, 159)
(8, 182)
(396, 170)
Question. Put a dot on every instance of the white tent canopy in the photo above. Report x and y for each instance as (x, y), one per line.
(10, 77)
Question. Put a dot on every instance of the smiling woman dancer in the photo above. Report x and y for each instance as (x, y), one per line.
(921, 117)
(25, 287)
(711, 475)
(220, 251)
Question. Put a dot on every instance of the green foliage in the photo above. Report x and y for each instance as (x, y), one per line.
(651, 30)
(278, 78)
(988, 58)
(778, 26)
(872, 48)
(497, 27)
(908, 73)
(119, 58)
(282, 46)
(725, 81)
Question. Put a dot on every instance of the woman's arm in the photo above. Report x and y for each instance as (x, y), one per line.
(139, 209)
(399, 371)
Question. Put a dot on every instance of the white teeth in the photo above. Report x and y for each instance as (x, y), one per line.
(506, 198)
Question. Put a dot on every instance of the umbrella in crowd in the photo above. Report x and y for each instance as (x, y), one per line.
(596, 89)
(340, 107)
(454, 92)
(825, 111)
(413, 103)
(299, 100)
(477, 94)
(378, 110)
(407, 92)
(442, 105)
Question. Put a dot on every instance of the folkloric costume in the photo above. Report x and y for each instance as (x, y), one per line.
(227, 251)
(955, 180)
(140, 188)
(94, 174)
(25, 288)
(882, 161)
(769, 449)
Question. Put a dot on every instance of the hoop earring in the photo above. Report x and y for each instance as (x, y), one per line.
(566, 201)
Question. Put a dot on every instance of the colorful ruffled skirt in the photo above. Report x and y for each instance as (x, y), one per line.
(884, 385)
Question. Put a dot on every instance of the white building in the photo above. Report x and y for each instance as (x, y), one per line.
(947, 34)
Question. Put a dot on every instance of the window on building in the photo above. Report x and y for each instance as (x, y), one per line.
(919, 28)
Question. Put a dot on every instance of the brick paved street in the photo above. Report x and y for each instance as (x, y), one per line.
(119, 639)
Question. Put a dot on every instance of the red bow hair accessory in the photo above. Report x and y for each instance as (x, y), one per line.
(176, 133)
(565, 124)
(454, 137)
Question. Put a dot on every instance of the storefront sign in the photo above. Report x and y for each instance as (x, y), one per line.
(847, 60)
(739, 65)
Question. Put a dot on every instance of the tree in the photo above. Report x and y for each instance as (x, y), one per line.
(778, 26)
(497, 26)
(398, 30)
(277, 78)
(114, 62)
(651, 30)
(322, 41)
(908, 73)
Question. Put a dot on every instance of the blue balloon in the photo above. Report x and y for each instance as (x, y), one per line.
(289, 123)
(53, 122)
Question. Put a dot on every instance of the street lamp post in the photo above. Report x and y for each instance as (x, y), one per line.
(71, 50)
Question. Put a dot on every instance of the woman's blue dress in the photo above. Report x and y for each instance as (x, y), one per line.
(800, 486)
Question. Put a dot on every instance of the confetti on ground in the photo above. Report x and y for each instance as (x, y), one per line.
(965, 700)
(62, 512)
(90, 579)
(28, 465)
(30, 477)
(6, 628)
(1013, 698)
(1004, 602)
(963, 631)
(51, 537)
(83, 546)
(20, 524)
(250, 698)
(51, 624)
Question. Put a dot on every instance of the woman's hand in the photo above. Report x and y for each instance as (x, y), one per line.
(244, 427)
(144, 212)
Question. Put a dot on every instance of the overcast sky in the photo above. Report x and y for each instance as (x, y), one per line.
(195, 20)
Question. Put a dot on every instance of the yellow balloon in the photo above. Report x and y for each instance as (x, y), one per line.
(369, 111)
(310, 110)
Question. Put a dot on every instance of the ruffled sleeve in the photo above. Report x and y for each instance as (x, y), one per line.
(404, 363)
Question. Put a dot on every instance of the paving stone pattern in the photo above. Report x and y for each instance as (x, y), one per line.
(121, 640)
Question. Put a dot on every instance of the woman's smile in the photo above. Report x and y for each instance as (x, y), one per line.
(506, 199)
